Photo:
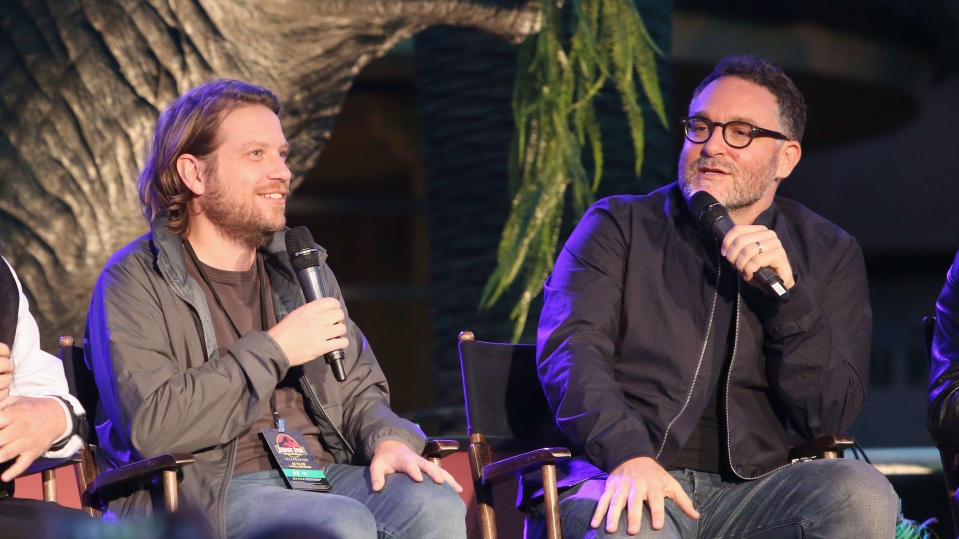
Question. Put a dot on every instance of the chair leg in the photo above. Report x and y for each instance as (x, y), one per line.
(551, 502)
(49, 481)
(479, 454)
(171, 496)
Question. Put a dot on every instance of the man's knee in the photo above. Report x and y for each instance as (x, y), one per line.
(859, 497)
(432, 509)
(864, 490)
(352, 519)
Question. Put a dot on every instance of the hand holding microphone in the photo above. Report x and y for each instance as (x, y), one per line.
(753, 249)
(316, 328)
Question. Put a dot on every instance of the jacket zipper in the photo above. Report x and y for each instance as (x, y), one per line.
(732, 361)
(702, 354)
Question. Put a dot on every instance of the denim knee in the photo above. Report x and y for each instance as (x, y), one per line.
(863, 490)
(862, 498)
(432, 509)
(352, 519)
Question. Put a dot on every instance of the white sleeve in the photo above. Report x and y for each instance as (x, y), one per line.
(37, 373)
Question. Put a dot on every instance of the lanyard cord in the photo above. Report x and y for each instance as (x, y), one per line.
(264, 322)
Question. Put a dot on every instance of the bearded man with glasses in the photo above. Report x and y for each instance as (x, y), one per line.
(682, 380)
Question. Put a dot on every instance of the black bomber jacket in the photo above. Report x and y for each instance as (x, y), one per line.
(633, 334)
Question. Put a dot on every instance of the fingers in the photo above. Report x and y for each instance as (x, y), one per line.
(19, 466)
(632, 485)
(656, 510)
(437, 474)
(377, 475)
(601, 506)
(751, 247)
(412, 468)
(312, 330)
(682, 500)
(4, 350)
(634, 512)
(448, 478)
(616, 505)
(326, 310)
(6, 373)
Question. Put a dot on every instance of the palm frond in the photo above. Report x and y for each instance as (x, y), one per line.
(561, 70)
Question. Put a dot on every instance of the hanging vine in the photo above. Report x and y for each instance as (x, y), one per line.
(555, 122)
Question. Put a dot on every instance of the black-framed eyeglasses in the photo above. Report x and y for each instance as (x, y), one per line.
(736, 134)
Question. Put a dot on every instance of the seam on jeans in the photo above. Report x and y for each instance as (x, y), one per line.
(803, 523)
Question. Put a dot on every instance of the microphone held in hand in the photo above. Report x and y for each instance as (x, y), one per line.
(305, 257)
(712, 217)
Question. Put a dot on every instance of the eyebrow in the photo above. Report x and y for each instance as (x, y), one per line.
(745, 119)
(259, 144)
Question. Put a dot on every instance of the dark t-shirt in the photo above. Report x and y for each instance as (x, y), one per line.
(239, 291)
(705, 449)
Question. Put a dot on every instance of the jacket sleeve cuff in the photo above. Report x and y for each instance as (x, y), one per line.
(797, 315)
(409, 439)
(620, 448)
(70, 441)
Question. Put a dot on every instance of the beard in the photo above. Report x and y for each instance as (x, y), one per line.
(745, 188)
(237, 217)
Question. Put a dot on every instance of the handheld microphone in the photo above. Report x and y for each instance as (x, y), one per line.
(305, 257)
(712, 217)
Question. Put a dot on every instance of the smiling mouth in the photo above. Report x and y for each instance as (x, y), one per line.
(274, 196)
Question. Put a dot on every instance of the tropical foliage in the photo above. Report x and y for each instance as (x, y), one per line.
(584, 46)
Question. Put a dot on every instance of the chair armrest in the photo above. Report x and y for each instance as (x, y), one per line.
(830, 443)
(437, 449)
(138, 470)
(42, 464)
(520, 464)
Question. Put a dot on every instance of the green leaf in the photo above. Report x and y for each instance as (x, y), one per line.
(560, 71)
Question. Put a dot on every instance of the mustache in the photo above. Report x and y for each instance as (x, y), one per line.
(712, 162)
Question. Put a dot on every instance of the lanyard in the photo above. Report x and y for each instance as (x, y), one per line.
(264, 322)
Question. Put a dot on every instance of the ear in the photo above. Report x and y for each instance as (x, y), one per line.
(789, 154)
(190, 168)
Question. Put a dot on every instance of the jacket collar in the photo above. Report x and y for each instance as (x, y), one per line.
(169, 252)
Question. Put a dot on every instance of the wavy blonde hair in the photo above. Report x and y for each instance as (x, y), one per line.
(190, 125)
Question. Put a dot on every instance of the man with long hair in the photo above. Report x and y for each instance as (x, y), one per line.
(201, 341)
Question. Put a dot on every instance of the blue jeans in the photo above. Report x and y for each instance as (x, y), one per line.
(831, 498)
(260, 503)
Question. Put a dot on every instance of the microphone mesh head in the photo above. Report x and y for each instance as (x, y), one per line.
(706, 209)
(301, 248)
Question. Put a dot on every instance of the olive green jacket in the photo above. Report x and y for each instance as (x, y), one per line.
(164, 389)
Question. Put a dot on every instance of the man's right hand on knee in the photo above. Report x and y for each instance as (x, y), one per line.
(311, 330)
(629, 485)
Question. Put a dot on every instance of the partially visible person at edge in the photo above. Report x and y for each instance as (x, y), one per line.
(200, 337)
(38, 416)
(678, 377)
(943, 419)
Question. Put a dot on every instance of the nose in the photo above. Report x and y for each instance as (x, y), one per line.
(715, 144)
(280, 171)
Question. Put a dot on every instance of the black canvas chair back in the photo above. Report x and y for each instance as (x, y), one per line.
(80, 382)
(507, 414)
(504, 399)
